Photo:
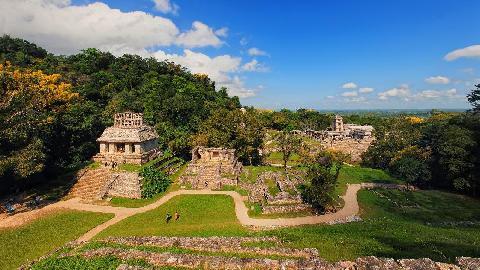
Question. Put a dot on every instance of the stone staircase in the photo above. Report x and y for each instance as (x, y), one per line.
(209, 176)
(91, 184)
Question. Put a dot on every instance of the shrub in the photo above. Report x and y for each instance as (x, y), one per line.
(154, 181)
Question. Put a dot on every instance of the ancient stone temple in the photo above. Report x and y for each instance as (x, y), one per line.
(212, 168)
(337, 124)
(129, 140)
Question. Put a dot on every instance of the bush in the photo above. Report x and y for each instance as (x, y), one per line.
(154, 182)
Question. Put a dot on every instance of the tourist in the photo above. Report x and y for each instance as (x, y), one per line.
(168, 217)
(177, 215)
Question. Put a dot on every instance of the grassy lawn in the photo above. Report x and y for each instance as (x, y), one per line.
(398, 224)
(251, 173)
(200, 215)
(357, 175)
(19, 245)
(277, 158)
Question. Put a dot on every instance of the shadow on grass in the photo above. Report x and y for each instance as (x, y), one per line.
(436, 250)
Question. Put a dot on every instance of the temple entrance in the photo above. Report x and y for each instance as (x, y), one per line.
(120, 148)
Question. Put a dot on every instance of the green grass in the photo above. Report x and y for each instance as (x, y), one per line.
(357, 175)
(239, 190)
(94, 165)
(397, 224)
(28, 242)
(200, 215)
(277, 158)
(251, 173)
(81, 263)
(272, 187)
(129, 167)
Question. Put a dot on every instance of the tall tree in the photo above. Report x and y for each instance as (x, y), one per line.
(288, 143)
(29, 104)
(474, 98)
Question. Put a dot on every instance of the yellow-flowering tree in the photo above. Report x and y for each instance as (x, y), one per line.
(29, 103)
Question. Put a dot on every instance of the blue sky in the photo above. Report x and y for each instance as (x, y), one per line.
(275, 54)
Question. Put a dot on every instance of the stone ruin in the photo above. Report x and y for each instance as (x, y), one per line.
(129, 140)
(338, 130)
(350, 139)
(212, 168)
(287, 200)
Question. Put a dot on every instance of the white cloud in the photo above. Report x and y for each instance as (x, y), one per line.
(243, 41)
(398, 92)
(405, 93)
(256, 52)
(356, 100)
(254, 65)
(200, 35)
(66, 29)
(350, 94)
(434, 94)
(366, 90)
(165, 6)
(349, 85)
(222, 32)
(467, 52)
(218, 68)
(63, 28)
(437, 80)
(470, 70)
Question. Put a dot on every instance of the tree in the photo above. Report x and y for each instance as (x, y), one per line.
(322, 177)
(29, 104)
(238, 129)
(391, 137)
(474, 98)
(412, 165)
(288, 143)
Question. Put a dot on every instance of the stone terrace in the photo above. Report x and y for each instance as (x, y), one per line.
(235, 253)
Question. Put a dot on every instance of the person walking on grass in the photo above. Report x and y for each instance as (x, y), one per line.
(168, 217)
(177, 215)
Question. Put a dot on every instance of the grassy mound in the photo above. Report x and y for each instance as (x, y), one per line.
(18, 245)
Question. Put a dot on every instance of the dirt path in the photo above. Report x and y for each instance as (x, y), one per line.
(349, 210)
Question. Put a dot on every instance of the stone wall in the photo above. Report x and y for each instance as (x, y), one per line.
(125, 184)
(276, 209)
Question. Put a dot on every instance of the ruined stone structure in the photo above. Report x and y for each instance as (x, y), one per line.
(350, 139)
(337, 124)
(339, 130)
(287, 199)
(212, 168)
(128, 141)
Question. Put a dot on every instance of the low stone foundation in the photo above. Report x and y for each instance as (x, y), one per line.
(217, 262)
(279, 209)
